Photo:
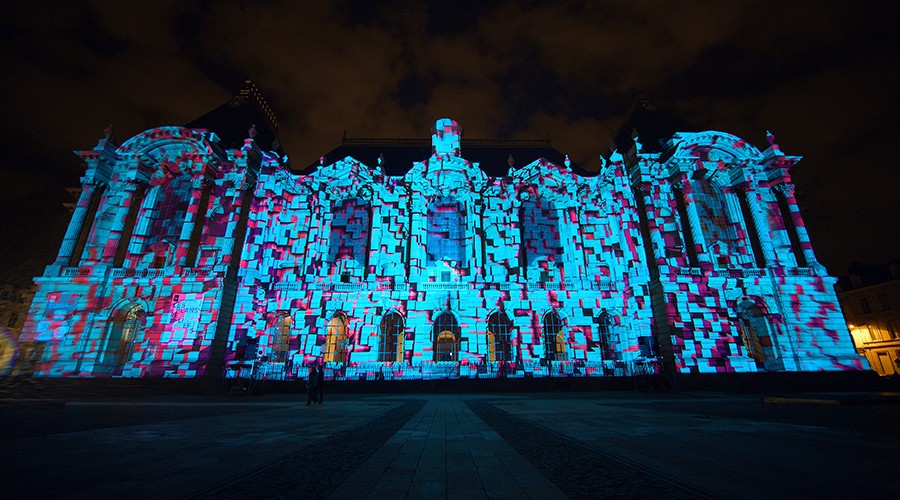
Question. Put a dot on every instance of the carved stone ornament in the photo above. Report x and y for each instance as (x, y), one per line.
(365, 193)
(785, 189)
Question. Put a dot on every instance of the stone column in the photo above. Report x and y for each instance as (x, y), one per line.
(787, 191)
(761, 224)
(75, 225)
(657, 243)
(118, 227)
(198, 184)
(693, 222)
(733, 212)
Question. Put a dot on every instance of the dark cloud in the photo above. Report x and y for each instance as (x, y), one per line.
(820, 75)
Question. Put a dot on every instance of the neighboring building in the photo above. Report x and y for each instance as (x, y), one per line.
(194, 250)
(870, 299)
(14, 303)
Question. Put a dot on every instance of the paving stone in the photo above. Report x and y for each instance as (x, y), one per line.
(576, 470)
(318, 471)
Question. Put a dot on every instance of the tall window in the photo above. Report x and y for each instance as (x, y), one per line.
(118, 345)
(168, 216)
(554, 337)
(446, 338)
(539, 223)
(718, 234)
(446, 231)
(350, 232)
(336, 340)
(499, 329)
(605, 331)
(282, 341)
(390, 345)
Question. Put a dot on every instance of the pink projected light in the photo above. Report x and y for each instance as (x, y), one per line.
(186, 259)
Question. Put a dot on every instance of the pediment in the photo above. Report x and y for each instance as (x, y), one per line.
(713, 147)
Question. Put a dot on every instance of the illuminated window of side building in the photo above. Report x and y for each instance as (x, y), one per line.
(864, 305)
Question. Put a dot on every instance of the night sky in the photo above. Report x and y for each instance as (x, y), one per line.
(822, 76)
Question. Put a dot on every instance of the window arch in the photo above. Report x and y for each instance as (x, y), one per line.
(119, 339)
(390, 345)
(554, 337)
(336, 339)
(446, 338)
(499, 328)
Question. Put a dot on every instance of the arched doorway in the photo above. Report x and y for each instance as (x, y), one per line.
(446, 338)
(390, 345)
(281, 343)
(754, 331)
(499, 328)
(336, 340)
(554, 337)
(118, 344)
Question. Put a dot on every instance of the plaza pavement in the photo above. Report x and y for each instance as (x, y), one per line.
(623, 444)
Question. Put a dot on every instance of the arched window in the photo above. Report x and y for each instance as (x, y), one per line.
(754, 331)
(336, 340)
(446, 338)
(167, 217)
(554, 337)
(499, 329)
(446, 231)
(390, 345)
(282, 341)
(605, 332)
(718, 234)
(118, 344)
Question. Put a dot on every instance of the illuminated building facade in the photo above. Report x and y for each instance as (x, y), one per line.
(451, 258)
(870, 299)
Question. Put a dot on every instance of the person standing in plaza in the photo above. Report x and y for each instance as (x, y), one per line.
(320, 382)
(312, 384)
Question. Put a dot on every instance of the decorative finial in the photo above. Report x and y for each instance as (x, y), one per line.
(770, 138)
(322, 160)
(252, 131)
(568, 162)
(511, 161)
(381, 159)
(108, 131)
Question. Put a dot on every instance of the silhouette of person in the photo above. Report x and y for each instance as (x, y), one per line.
(312, 385)
(320, 382)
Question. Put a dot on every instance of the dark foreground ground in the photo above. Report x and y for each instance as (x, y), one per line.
(806, 437)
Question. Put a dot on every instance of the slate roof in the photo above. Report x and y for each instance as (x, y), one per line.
(232, 121)
(653, 124)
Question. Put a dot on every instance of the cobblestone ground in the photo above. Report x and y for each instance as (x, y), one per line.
(579, 471)
(320, 469)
